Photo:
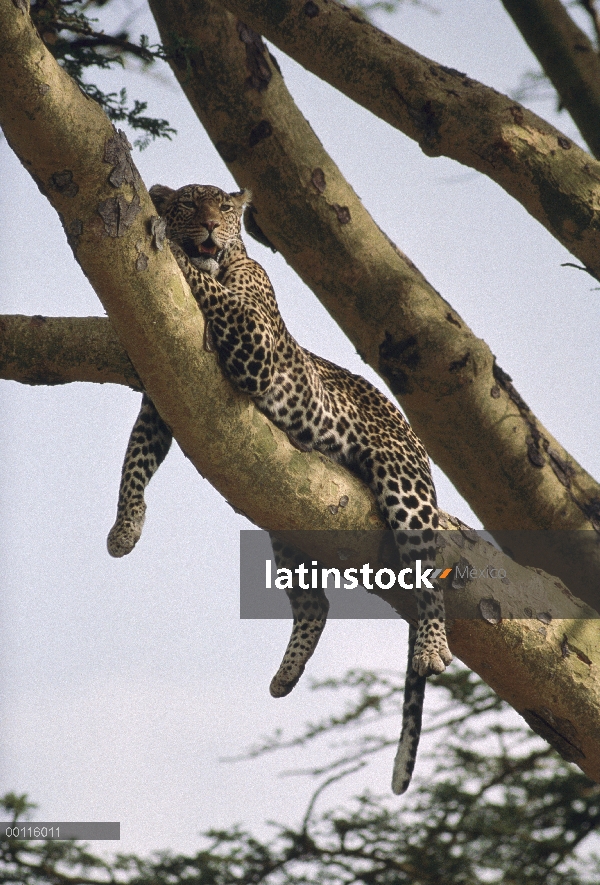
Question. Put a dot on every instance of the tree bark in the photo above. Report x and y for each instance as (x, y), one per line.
(461, 404)
(568, 58)
(59, 350)
(56, 130)
(445, 111)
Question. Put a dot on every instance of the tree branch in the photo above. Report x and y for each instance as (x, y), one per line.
(567, 57)
(445, 111)
(56, 130)
(444, 376)
(592, 10)
(58, 350)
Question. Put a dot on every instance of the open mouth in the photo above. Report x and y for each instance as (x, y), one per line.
(194, 250)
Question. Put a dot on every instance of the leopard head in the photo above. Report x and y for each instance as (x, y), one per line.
(202, 219)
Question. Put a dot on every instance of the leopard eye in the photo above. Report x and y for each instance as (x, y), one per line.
(187, 204)
(226, 207)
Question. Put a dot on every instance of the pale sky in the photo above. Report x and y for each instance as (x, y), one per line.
(123, 682)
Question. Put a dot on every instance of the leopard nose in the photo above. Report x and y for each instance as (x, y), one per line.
(210, 225)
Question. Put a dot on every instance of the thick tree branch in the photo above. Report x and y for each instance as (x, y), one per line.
(58, 350)
(460, 403)
(567, 57)
(56, 130)
(446, 112)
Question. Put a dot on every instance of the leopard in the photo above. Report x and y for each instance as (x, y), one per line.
(319, 406)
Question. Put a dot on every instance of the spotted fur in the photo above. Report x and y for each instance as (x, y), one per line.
(320, 406)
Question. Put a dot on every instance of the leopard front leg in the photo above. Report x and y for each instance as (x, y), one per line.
(238, 321)
(196, 271)
(148, 445)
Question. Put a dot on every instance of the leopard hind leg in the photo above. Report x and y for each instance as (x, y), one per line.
(431, 653)
(148, 445)
(309, 608)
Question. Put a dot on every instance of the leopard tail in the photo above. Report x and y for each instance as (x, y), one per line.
(412, 713)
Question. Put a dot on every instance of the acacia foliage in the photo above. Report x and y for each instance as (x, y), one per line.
(501, 806)
(75, 39)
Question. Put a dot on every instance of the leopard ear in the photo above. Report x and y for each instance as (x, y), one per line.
(160, 193)
(240, 199)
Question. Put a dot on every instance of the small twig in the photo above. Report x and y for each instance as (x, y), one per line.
(322, 787)
(580, 267)
(99, 39)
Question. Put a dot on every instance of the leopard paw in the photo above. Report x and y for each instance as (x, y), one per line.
(432, 654)
(126, 532)
(431, 661)
(303, 641)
